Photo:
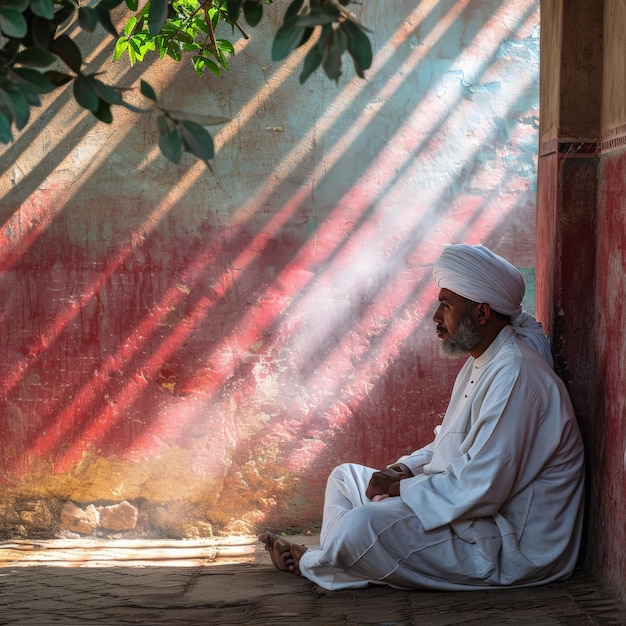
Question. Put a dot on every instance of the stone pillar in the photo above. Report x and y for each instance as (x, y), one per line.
(580, 179)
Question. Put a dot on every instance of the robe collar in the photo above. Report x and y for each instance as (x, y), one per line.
(494, 347)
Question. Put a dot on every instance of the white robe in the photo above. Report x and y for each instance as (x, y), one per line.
(496, 499)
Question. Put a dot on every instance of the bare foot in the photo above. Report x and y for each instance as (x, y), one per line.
(284, 554)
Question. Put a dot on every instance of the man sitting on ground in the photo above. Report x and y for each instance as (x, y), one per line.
(496, 499)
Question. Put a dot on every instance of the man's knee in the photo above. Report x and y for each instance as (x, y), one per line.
(342, 470)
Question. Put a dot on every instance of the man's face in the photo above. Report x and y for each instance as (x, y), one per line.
(455, 326)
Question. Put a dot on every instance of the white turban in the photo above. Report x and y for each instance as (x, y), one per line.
(477, 273)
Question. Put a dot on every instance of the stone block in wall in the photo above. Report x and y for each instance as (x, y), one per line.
(121, 516)
(77, 520)
(9, 517)
(37, 515)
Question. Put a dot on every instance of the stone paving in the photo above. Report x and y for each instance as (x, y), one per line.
(232, 581)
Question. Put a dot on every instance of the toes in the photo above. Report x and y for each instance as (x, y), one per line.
(285, 555)
(267, 538)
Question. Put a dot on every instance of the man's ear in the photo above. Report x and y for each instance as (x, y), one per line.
(484, 313)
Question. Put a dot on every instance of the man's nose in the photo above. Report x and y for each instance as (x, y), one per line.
(437, 316)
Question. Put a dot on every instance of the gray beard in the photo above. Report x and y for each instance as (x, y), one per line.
(463, 340)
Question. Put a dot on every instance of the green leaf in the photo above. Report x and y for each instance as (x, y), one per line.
(68, 51)
(103, 112)
(21, 108)
(12, 23)
(173, 51)
(5, 129)
(226, 46)
(323, 14)
(120, 47)
(170, 140)
(104, 19)
(6, 105)
(87, 18)
(132, 5)
(359, 47)
(220, 57)
(292, 10)
(43, 8)
(157, 15)
(213, 67)
(33, 79)
(128, 29)
(253, 12)
(312, 61)
(9, 49)
(335, 47)
(166, 125)
(134, 43)
(198, 64)
(18, 5)
(14, 106)
(40, 32)
(30, 93)
(286, 39)
(233, 7)
(58, 78)
(187, 39)
(147, 91)
(85, 94)
(108, 94)
(197, 140)
(35, 57)
(63, 14)
(108, 5)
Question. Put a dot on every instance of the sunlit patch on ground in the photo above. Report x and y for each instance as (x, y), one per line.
(138, 553)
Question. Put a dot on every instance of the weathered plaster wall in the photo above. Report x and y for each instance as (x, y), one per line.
(547, 169)
(208, 346)
(614, 66)
(550, 85)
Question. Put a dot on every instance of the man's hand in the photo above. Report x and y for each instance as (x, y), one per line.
(385, 483)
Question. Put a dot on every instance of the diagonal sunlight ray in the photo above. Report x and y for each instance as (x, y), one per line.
(480, 220)
(39, 217)
(32, 219)
(342, 103)
(92, 393)
(345, 99)
(391, 297)
(178, 191)
(328, 236)
(252, 327)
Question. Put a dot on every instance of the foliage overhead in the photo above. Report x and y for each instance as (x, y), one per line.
(38, 56)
